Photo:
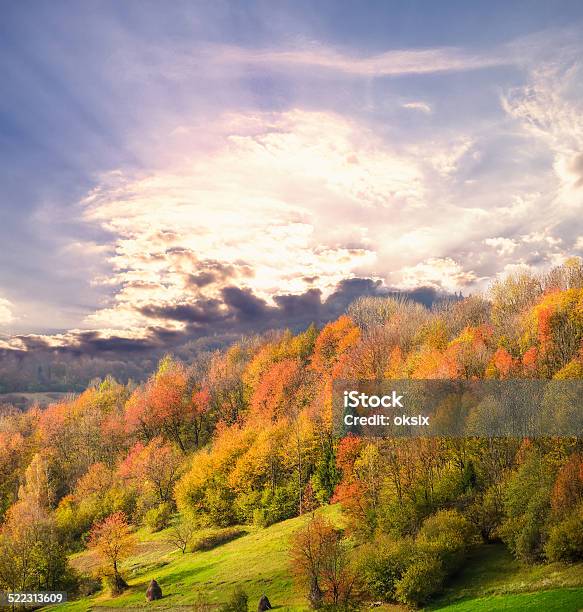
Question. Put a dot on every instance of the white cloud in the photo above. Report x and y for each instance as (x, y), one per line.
(419, 106)
(279, 199)
(390, 63)
(273, 204)
(550, 109)
(441, 273)
(503, 246)
(6, 315)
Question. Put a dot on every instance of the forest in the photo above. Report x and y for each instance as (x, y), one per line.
(245, 436)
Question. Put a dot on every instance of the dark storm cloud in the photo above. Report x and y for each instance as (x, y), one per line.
(209, 324)
(204, 311)
(241, 311)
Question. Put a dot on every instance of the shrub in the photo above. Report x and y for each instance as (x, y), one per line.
(238, 602)
(445, 536)
(276, 506)
(219, 502)
(412, 570)
(382, 563)
(527, 500)
(322, 564)
(565, 541)
(487, 513)
(246, 504)
(158, 518)
(422, 579)
(217, 539)
(399, 518)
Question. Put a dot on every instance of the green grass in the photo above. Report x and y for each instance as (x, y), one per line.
(563, 600)
(257, 561)
(493, 580)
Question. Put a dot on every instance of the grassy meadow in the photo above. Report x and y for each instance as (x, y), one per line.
(258, 561)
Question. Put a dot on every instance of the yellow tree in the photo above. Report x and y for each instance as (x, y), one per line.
(113, 542)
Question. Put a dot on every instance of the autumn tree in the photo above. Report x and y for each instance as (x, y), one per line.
(166, 406)
(113, 542)
(320, 562)
(33, 555)
(568, 488)
(156, 464)
(181, 535)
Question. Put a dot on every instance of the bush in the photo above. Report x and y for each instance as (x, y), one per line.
(238, 602)
(158, 518)
(565, 541)
(219, 501)
(276, 506)
(527, 506)
(487, 513)
(246, 504)
(422, 579)
(445, 536)
(217, 539)
(382, 563)
(399, 518)
(412, 570)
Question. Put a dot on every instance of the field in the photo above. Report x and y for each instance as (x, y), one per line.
(258, 561)
(491, 580)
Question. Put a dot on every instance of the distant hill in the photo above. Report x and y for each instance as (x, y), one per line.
(23, 401)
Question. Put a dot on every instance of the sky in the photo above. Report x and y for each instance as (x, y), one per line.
(180, 169)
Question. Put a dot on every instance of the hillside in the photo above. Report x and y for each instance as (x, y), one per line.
(491, 579)
(258, 561)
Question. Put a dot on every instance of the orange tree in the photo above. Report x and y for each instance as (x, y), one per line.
(113, 542)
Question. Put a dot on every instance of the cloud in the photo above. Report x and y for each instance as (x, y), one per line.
(442, 273)
(248, 217)
(238, 312)
(278, 202)
(266, 213)
(6, 315)
(549, 108)
(390, 63)
(503, 246)
(418, 106)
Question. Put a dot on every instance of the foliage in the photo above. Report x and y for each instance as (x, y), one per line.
(245, 436)
(527, 503)
(113, 542)
(565, 542)
(321, 563)
(422, 579)
(158, 518)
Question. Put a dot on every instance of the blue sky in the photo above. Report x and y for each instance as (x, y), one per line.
(155, 156)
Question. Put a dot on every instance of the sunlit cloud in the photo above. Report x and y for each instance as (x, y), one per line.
(503, 246)
(6, 315)
(254, 179)
(390, 63)
(442, 273)
(418, 106)
(267, 210)
(550, 109)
